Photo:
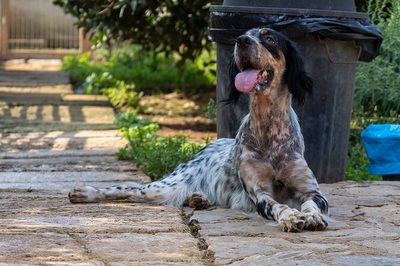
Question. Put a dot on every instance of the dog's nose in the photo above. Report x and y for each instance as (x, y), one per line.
(244, 40)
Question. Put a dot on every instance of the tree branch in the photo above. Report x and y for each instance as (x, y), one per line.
(108, 8)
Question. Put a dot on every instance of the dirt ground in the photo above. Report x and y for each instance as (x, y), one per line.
(178, 114)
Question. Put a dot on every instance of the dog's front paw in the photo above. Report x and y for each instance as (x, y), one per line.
(291, 220)
(315, 221)
(198, 202)
(85, 194)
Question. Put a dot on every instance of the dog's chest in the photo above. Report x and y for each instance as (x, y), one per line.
(273, 149)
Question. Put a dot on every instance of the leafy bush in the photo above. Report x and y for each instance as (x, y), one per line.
(79, 67)
(377, 84)
(96, 83)
(148, 71)
(124, 96)
(156, 155)
(168, 27)
(124, 73)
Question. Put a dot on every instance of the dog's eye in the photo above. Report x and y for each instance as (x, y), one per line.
(270, 39)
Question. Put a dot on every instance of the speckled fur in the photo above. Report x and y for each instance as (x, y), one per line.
(263, 168)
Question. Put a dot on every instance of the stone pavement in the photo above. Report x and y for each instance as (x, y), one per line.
(52, 140)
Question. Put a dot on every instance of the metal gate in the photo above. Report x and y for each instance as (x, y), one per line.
(37, 29)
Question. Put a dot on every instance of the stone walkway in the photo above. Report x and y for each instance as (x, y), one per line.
(52, 140)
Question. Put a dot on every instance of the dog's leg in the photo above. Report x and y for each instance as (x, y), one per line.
(315, 220)
(299, 177)
(289, 219)
(257, 181)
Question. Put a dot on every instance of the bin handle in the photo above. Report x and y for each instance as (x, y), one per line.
(340, 62)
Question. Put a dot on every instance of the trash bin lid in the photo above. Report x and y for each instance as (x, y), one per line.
(327, 8)
(334, 19)
(343, 5)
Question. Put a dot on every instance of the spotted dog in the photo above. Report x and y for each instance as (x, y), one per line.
(263, 169)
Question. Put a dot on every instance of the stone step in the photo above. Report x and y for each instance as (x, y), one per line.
(60, 143)
(21, 78)
(20, 118)
(55, 89)
(76, 161)
(53, 98)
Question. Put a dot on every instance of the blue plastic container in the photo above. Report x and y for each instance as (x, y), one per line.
(382, 145)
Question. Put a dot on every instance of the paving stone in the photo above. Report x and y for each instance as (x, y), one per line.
(33, 247)
(158, 248)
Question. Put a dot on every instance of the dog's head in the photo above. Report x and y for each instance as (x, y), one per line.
(267, 60)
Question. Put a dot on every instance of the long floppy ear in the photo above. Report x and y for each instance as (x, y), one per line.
(298, 80)
(234, 94)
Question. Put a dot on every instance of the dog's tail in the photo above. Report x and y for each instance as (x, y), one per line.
(158, 192)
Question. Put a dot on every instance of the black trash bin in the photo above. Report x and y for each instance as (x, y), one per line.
(332, 37)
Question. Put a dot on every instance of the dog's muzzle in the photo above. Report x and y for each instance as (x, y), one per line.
(251, 78)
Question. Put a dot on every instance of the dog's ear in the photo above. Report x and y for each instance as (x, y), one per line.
(234, 94)
(298, 81)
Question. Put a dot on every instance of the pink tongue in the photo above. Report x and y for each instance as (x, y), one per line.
(244, 81)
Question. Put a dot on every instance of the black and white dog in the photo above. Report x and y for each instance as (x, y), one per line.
(263, 169)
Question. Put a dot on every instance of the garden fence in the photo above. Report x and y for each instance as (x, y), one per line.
(37, 29)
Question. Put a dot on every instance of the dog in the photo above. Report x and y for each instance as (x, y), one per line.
(263, 169)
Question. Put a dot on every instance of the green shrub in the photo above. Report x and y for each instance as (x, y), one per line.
(134, 128)
(124, 96)
(176, 26)
(96, 83)
(377, 84)
(124, 73)
(148, 71)
(79, 67)
(156, 155)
